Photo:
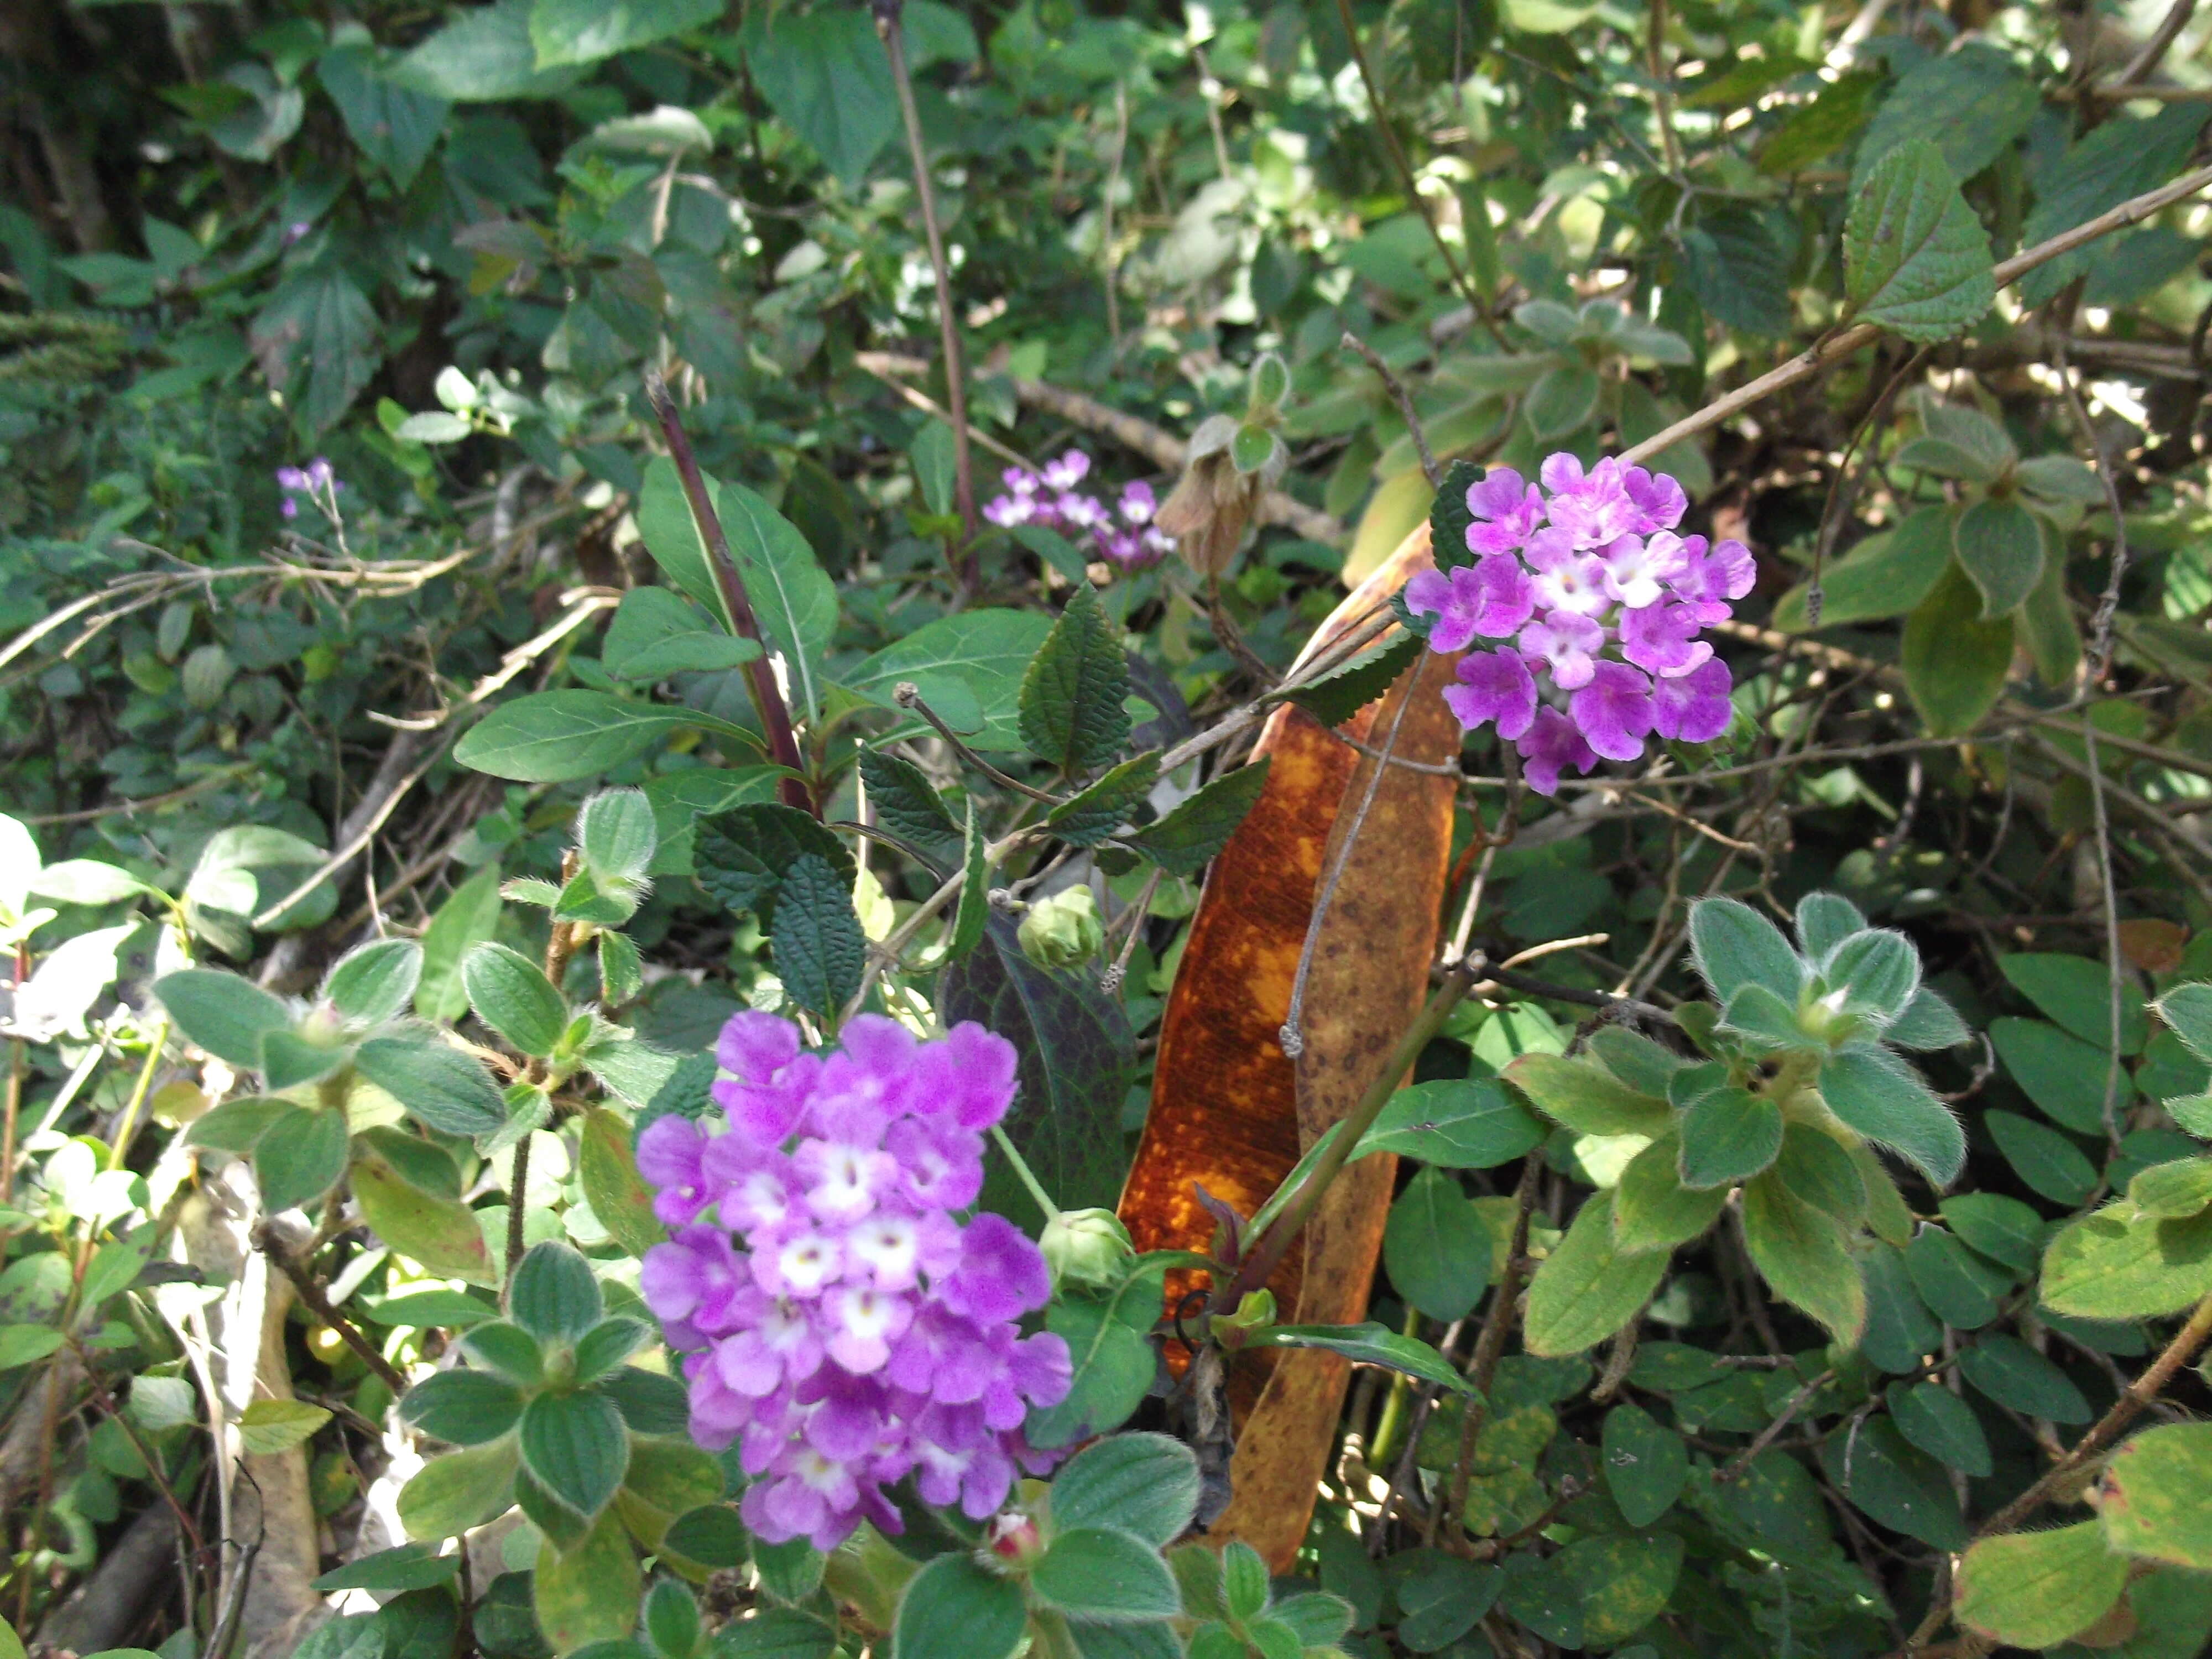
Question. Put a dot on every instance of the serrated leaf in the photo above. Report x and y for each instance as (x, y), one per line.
(740, 857)
(1184, 842)
(1342, 692)
(908, 805)
(1071, 704)
(817, 944)
(1089, 817)
(1916, 260)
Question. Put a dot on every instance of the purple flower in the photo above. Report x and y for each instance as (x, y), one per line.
(1124, 536)
(1658, 497)
(1069, 471)
(1694, 708)
(855, 1330)
(1490, 596)
(1567, 577)
(1710, 581)
(1614, 711)
(1567, 644)
(1593, 509)
(1506, 511)
(1494, 685)
(1634, 567)
(1549, 744)
(1663, 638)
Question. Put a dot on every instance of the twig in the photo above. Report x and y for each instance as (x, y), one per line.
(760, 677)
(1662, 93)
(906, 694)
(887, 14)
(393, 780)
(1835, 347)
(2141, 65)
(1396, 388)
(1734, 1469)
(1112, 266)
(311, 1293)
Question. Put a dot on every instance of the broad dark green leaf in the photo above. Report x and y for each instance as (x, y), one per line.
(741, 857)
(1089, 817)
(907, 805)
(1971, 104)
(1727, 1135)
(436, 1083)
(576, 1446)
(953, 1609)
(1184, 841)
(1469, 1124)
(1071, 712)
(1999, 547)
(817, 944)
(1435, 1246)
(824, 72)
(1954, 662)
(2119, 158)
(584, 31)
(1916, 260)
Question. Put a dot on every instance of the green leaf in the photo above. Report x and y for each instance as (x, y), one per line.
(20, 1345)
(1882, 1097)
(711, 1534)
(1876, 971)
(486, 55)
(1102, 1576)
(2033, 1590)
(434, 1082)
(1586, 1097)
(1441, 1598)
(576, 1446)
(1954, 662)
(1900, 1330)
(2076, 992)
(2188, 1010)
(2061, 1074)
(655, 634)
(1734, 945)
(973, 910)
(969, 669)
(558, 736)
(2044, 625)
(1369, 1344)
(373, 983)
(2047, 1161)
(825, 74)
(1563, 401)
(1588, 1287)
(1646, 1466)
(1739, 271)
(2118, 159)
(300, 1156)
(235, 1125)
(1465, 1124)
(671, 1619)
(1077, 1057)
(467, 1408)
(433, 1229)
(589, 1592)
(1932, 1417)
(2003, 1229)
(585, 31)
(2169, 1191)
(774, 1633)
(1089, 817)
(1647, 1068)
(267, 1427)
(1727, 1135)
(1652, 1210)
(953, 1609)
(609, 1343)
(458, 1491)
(2115, 1264)
(1971, 104)
(1436, 1247)
(1885, 576)
(1770, 1023)
(1244, 1582)
(818, 948)
(1999, 547)
(1928, 1023)
(325, 340)
(224, 1014)
(554, 1295)
(1346, 690)
(1144, 1484)
(510, 993)
(2013, 1374)
(651, 1403)
(907, 805)
(116, 1266)
(791, 595)
(1626, 1582)
(1897, 1485)
(1113, 1363)
(1817, 1168)
(422, 1310)
(1184, 841)
(393, 127)
(469, 914)
(607, 1165)
(740, 857)
(404, 1567)
(1071, 712)
(1959, 1287)
(2152, 1501)
(1916, 260)
(616, 839)
(1801, 1251)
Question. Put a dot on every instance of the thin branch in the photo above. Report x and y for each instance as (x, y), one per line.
(1373, 359)
(318, 1303)
(888, 14)
(1489, 1347)
(760, 677)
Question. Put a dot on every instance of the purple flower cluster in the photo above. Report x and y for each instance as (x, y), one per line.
(852, 1332)
(316, 481)
(1125, 536)
(1586, 566)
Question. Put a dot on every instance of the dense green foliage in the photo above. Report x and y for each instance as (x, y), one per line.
(497, 574)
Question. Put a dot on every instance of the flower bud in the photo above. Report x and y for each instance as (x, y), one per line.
(1012, 1541)
(1063, 930)
(1089, 1247)
(1254, 1313)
